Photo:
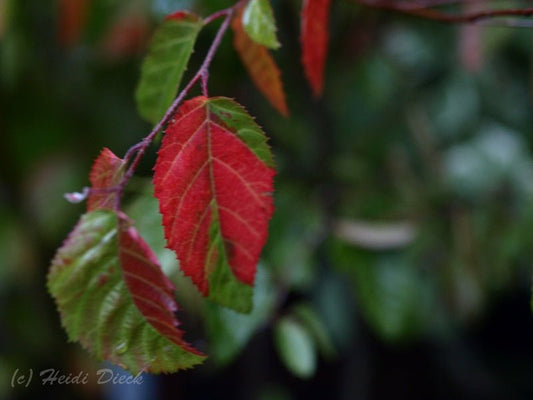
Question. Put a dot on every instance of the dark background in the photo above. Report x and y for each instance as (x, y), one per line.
(421, 123)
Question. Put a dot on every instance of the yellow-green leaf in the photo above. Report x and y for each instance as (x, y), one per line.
(163, 68)
(258, 22)
(114, 299)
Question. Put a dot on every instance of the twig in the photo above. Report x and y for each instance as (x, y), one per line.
(509, 23)
(418, 4)
(439, 16)
(203, 73)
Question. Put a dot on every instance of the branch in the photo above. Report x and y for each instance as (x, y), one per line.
(202, 74)
(418, 4)
(427, 13)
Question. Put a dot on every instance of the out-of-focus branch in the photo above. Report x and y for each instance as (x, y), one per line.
(418, 4)
(414, 9)
(374, 235)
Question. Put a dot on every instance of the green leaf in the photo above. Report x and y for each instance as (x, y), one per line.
(258, 22)
(292, 255)
(333, 300)
(229, 331)
(317, 328)
(295, 347)
(394, 296)
(144, 210)
(117, 312)
(236, 118)
(163, 68)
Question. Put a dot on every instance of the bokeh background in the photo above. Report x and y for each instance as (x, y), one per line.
(399, 258)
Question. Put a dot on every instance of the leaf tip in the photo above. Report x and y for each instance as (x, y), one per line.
(180, 16)
(315, 39)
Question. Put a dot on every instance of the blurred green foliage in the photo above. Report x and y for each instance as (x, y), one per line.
(406, 132)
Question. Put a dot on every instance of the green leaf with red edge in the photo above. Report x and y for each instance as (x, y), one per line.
(260, 66)
(213, 179)
(258, 22)
(106, 172)
(163, 68)
(114, 299)
(315, 38)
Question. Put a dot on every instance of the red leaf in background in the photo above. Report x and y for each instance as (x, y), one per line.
(260, 66)
(178, 15)
(151, 290)
(72, 19)
(114, 299)
(470, 41)
(107, 171)
(315, 37)
(127, 36)
(213, 179)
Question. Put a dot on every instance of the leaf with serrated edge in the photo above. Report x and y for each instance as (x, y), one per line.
(315, 38)
(107, 171)
(258, 22)
(114, 299)
(163, 68)
(260, 66)
(213, 179)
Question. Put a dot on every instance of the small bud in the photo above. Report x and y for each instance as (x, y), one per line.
(77, 197)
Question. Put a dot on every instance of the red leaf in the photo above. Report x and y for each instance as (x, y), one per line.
(72, 19)
(315, 37)
(151, 290)
(106, 172)
(126, 37)
(260, 66)
(178, 15)
(114, 299)
(213, 181)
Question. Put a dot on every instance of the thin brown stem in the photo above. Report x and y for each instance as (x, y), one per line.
(428, 13)
(136, 152)
(418, 4)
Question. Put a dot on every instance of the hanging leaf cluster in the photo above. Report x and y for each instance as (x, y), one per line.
(213, 179)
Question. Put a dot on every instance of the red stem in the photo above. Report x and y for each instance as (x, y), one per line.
(434, 15)
(203, 73)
